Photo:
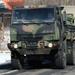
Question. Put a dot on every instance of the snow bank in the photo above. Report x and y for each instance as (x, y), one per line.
(3, 44)
(5, 58)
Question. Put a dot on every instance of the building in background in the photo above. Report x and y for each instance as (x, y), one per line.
(4, 30)
(5, 19)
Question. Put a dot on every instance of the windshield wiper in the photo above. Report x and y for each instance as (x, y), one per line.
(32, 22)
(46, 22)
(37, 22)
(16, 22)
(20, 22)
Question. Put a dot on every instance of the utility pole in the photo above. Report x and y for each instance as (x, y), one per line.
(2, 28)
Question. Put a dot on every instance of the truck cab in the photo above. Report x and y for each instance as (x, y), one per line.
(37, 33)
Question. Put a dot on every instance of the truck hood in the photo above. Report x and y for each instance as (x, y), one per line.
(33, 31)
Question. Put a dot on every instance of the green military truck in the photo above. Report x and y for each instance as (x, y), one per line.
(70, 29)
(38, 33)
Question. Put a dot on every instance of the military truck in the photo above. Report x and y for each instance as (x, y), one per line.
(70, 30)
(37, 33)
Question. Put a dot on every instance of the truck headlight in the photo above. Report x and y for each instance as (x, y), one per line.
(15, 46)
(50, 45)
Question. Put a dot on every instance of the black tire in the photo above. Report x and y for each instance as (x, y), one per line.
(70, 59)
(70, 55)
(16, 64)
(17, 61)
(60, 60)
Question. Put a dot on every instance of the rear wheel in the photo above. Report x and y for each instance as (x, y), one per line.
(70, 59)
(70, 55)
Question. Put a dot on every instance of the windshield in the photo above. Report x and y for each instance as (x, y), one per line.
(39, 15)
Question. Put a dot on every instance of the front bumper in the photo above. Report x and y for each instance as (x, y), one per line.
(33, 50)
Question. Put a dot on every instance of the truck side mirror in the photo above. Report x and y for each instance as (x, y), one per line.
(64, 17)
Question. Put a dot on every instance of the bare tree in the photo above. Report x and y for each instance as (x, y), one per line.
(62, 2)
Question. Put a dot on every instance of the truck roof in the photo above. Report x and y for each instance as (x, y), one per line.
(38, 6)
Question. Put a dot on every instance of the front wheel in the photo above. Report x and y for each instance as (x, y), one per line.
(16, 64)
(60, 59)
(17, 61)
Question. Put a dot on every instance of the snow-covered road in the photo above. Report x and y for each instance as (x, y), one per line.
(5, 58)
